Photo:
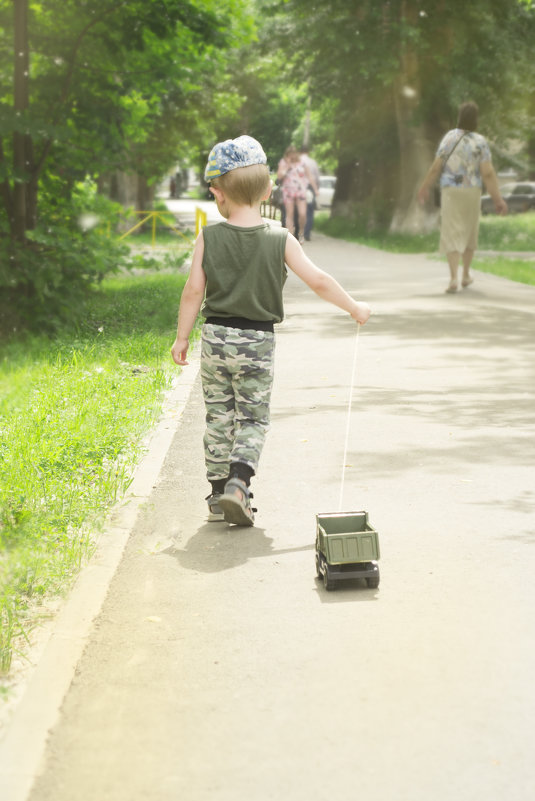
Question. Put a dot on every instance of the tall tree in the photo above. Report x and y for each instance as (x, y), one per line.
(397, 71)
(95, 88)
(95, 82)
(21, 140)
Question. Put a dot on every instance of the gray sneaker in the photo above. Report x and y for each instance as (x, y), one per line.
(215, 512)
(236, 504)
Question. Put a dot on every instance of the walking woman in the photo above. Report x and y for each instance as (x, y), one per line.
(295, 177)
(463, 163)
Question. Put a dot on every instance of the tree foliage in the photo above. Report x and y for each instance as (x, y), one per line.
(395, 73)
(96, 86)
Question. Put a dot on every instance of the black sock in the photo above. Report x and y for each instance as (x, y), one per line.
(241, 471)
(218, 486)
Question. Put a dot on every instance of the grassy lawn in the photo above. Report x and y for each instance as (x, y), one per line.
(520, 270)
(516, 232)
(164, 236)
(397, 243)
(176, 242)
(73, 412)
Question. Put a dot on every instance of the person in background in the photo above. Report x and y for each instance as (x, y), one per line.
(311, 192)
(295, 177)
(463, 163)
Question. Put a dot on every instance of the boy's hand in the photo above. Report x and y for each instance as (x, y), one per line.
(361, 313)
(179, 351)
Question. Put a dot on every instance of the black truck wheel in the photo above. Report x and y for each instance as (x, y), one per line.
(327, 582)
(318, 571)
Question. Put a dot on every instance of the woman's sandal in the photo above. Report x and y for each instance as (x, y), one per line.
(235, 503)
(466, 282)
(452, 288)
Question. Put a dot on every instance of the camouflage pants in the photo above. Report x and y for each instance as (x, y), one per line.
(237, 377)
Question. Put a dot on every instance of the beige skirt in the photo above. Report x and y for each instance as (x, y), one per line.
(459, 225)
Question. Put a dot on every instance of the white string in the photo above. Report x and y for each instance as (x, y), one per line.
(346, 445)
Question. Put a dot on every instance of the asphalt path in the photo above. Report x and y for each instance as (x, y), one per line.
(218, 667)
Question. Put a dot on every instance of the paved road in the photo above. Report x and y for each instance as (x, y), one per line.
(184, 209)
(219, 669)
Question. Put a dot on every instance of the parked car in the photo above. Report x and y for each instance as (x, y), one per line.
(326, 187)
(519, 197)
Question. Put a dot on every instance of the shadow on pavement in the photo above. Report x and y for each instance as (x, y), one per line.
(351, 591)
(468, 324)
(217, 546)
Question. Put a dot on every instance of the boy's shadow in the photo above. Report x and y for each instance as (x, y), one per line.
(218, 546)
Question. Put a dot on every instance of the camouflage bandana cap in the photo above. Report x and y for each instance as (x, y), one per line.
(233, 153)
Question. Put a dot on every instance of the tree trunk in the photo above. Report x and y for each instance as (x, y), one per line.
(5, 190)
(32, 188)
(123, 189)
(145, 194)
(531, 140)
(366, 165)
(415, 151)
(415, 158)
(21, 102)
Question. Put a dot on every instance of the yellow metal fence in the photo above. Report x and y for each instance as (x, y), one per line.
(163, 217)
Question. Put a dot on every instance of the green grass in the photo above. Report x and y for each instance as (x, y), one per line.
(516, 232)
(513, 233)
(73, 412)
(398, 243)
(164, 236)
(520, 270)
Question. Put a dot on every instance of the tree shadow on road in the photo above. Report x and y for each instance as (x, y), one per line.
(480, 322)
(479, 381)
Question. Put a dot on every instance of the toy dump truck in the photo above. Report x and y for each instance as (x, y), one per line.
(347, 547)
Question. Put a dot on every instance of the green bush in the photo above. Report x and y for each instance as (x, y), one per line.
(44, 281)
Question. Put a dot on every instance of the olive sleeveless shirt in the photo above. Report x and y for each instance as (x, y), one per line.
(245, 271)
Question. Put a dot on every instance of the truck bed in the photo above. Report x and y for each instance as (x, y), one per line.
(346, 538)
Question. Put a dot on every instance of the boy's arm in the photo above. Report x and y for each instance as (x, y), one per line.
(322, 283)
(190, 303)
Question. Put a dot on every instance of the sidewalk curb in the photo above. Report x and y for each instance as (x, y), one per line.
(23, 744)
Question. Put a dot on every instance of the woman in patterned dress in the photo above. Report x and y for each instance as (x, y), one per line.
(295, 177)
(463, 162)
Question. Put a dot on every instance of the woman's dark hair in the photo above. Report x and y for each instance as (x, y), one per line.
(468, 113)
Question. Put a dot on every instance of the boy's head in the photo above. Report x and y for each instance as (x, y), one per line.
(239, 168)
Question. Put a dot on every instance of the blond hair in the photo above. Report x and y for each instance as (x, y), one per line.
(245, 186)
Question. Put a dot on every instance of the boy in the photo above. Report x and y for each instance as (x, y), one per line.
(239, 269)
